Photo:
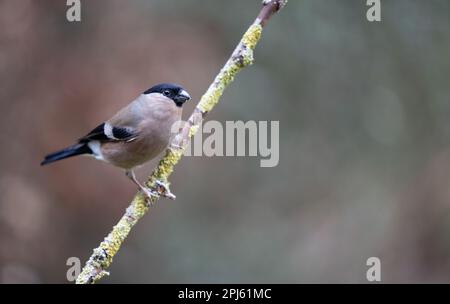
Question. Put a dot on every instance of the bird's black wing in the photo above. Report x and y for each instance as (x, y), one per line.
(117, 134)
(96, 134)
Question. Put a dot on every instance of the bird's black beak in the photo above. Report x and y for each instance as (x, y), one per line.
(182, 97)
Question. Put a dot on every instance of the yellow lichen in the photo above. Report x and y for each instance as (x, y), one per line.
(209, 99)
(252, 36)
(193, 130)
(139, 207)
(165, 166)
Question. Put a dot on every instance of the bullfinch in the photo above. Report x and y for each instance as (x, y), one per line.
(135, 135)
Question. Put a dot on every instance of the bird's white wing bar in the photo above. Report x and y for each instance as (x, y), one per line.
(118, 133)
(108, 130)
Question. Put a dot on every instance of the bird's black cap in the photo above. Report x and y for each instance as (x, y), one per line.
(172, 91)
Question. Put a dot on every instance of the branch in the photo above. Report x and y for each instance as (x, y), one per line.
(242, 56)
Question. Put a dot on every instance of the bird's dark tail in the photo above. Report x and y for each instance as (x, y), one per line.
(74, 150)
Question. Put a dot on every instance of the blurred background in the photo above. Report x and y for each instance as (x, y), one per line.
(364, 141)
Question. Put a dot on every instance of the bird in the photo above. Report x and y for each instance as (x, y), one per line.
(135, 135)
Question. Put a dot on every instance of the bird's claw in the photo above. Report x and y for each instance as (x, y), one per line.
(149, 194)
(159, 190)
(163, 190)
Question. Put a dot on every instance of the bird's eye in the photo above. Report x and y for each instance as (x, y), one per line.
(166, 93)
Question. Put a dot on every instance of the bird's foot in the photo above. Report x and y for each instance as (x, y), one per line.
(159, 190)
(164, 191)
(149, 194)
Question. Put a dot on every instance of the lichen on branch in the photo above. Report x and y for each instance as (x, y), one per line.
(102, 257)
